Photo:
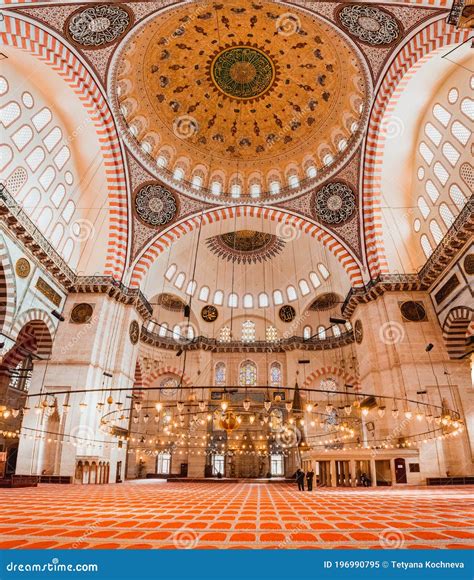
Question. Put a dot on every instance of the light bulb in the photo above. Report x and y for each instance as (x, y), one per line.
(252, 419)
(348, 409)
(395, 413)
(202, 405)
(224, 405)
(288, 406)
(267, 404)
(419, 416)
(145, 418)
(180, 406)
(82, 406)
(381, 411)
(309, 407)
(408, 415)
(159, 406)
(209, 417)
(138, 406)
(246, 404)
(6, 414)
(365, 411)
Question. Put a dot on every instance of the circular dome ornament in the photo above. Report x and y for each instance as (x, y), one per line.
(22, 268)
(209, 313)
(155, 205)
(287, 313)
(369, 24)
(335, 203)
(98, 26)
(82, 313)
(242, 72)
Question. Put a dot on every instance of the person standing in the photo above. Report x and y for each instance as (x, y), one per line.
(300, 479)
(309, 479)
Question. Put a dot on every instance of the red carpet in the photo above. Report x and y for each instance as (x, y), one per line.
(156, 514)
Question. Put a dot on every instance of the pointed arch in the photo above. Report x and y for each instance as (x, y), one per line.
(168, 370)
(331, 370)
(291, 225)
(417, 51)
(458, 328)
(19, 32)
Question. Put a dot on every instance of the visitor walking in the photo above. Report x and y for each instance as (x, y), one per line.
(309, 479)
(300, 479)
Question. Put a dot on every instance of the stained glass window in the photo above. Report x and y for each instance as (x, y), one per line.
(220, 375)
(248, 331)
(275, 374)
(248, 374)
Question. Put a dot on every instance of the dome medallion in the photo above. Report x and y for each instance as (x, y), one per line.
(244, 101)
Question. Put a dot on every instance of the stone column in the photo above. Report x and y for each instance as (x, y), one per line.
(353, 472)
(332, 473)
(393, 472)
(373, 473)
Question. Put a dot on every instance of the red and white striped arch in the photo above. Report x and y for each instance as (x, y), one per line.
(167, 370)
(417, 51)
(291, 227)
(331, 371)
(7, 290)
(30, 37)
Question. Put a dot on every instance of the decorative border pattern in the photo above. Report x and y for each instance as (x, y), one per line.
(166, 371)
(330, 370)
(7, 289)
(39, 42)
(407, 61)
(289, 221)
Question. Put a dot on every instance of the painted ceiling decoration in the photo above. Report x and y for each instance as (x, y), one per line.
(246, 246)
(230, 102)
(155, 205)
(369, 24)
(98, 26)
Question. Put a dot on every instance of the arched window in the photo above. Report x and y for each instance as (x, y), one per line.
(178, 174)
(423, 207)
(275, 374)
(307, 332)
(426, 152)
(446, 215)
(163, 463)
(315, 281)
(263, 300)
(163, 329)
(196, 181)
(432, 191)
(180, 278)
(274, 187)
(176, 331)
(311, 172)
(233, 300)
(442, 115)
(291, 293)
(457, 196)
(248, 331)
(235, 190)
(220, 374)
(323, 271)
(218, 298)
(171, 271)
(224, 334)
(467, 107)
(44, 219)
(255, 190)
(336, 331)
(204, 294)
(321, 332)
(248, 301)
(216, 188)
(460, 132)
(441, 172)
(436, 231)
(304, 288)
(248, 374)
(433, 134)
(293, 181)
(425, 244)
(191, 288)
(277, 297)
(271, 334)
(450, 153)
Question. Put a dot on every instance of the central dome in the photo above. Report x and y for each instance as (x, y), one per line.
(242, 100)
